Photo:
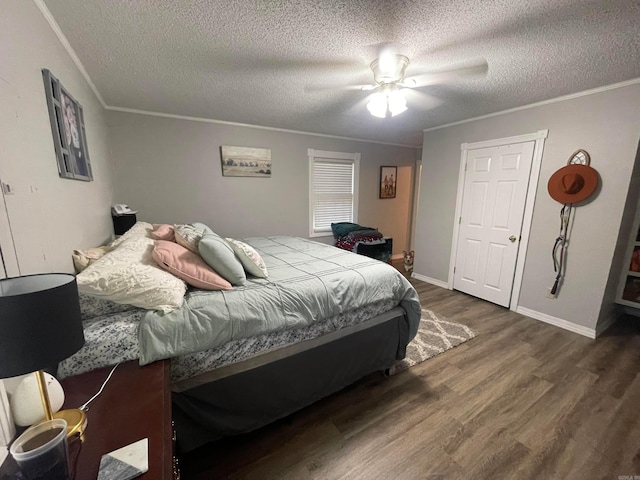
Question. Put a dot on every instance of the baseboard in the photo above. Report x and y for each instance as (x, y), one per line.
(432, 281)
(558, 322)
(602, 327)
(397, 256)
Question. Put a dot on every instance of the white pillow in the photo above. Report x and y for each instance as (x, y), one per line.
(130, 275)
(139, 230)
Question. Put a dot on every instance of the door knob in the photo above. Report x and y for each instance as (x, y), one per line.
(512, 238)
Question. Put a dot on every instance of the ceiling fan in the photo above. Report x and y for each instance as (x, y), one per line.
(390, 82)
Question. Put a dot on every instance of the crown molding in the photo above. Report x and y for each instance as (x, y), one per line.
(563, 98)
(248, 125)
(67, 46)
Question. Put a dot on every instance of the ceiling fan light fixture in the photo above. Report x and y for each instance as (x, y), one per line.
(377, 106)
(389, 68)
(397, 103)
(388, 101)
(409, 82)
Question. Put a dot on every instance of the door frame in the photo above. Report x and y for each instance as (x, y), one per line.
(9, 266)
(539, 139)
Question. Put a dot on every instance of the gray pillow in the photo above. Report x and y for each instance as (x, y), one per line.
(219, 255)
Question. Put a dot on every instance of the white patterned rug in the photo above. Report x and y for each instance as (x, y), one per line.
(434, 336)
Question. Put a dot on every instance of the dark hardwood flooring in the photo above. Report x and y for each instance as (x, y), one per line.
(523, 400)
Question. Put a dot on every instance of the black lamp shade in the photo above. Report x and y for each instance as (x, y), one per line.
(40, 322)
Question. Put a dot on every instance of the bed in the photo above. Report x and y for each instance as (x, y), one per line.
(322, 319)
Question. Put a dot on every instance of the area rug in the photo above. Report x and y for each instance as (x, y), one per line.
(435, 336)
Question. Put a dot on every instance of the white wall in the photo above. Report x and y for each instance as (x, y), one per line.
(169, 169)
(48, 216)
(605, 124)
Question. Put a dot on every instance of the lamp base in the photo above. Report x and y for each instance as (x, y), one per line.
(76, 422)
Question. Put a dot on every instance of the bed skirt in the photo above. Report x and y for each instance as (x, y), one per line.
(250, 394)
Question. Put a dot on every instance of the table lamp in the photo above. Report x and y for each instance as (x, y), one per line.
(41, 325)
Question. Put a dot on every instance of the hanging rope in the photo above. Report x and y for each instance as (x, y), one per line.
(570, 185)
(557, 253)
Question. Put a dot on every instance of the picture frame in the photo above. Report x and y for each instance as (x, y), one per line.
(388, 181)
(69, 134)
(245, 162)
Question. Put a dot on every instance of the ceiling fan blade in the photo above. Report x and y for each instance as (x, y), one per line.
(357, 109)
(420, 100)
(337, 88)
(476, 70)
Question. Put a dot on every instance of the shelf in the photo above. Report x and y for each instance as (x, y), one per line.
(628, 303)
(628, 293)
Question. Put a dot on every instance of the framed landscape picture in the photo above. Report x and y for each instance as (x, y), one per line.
(67, 126)
(388, 179)
(245, 162)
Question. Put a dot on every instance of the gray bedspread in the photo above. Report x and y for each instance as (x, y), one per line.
(308, 281)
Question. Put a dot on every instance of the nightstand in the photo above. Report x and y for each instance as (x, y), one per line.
(136, 403)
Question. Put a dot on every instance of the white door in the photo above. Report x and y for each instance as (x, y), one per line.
(495, 190)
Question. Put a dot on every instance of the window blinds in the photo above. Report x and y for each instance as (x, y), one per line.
(332, 193)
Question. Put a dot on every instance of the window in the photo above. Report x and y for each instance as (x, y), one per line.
(333, 190)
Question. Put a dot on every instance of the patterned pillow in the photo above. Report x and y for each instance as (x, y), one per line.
(189, 235)
(129, 275)
(219, 255)
(139, 230)
(163, 231)
(188, 266)
(250, 259)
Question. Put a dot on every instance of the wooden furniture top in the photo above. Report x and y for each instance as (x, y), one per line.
(135, 404)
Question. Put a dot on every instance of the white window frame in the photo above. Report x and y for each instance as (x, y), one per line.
(352, 158)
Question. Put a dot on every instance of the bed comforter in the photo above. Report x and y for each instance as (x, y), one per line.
(308, 281)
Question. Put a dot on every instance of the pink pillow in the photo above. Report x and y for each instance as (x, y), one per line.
(163, 231)
(188, 266)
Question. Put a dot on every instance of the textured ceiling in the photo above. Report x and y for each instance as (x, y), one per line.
(282, 64)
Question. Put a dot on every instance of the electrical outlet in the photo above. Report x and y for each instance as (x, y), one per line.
(7, 189)
(549, 294)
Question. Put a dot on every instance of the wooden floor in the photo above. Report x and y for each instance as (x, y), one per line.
(522, 400)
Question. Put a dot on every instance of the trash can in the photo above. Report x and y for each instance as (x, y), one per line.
(122, 223)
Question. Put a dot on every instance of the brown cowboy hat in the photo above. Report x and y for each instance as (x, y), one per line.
(573, 183)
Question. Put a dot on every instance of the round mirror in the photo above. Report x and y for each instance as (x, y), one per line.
(581, 157)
